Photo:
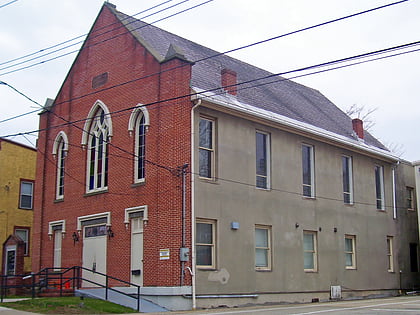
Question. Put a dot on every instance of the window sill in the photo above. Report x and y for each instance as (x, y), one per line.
(349, 204)
(310, 271)
(208, 180)
(381, 210)
(351, 268)
(93, 193)
(308, 198)
(262, 189)
(263, 270)
(134, 185)
(206, 268)
(59, 200)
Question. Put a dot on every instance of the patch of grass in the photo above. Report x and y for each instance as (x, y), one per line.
(68, 305)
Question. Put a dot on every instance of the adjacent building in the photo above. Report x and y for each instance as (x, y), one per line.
(17, 180)
(209, 181)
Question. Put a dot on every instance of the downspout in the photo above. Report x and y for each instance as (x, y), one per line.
(193, 269)
(394, 193)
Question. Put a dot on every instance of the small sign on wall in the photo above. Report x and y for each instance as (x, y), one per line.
(164, 254)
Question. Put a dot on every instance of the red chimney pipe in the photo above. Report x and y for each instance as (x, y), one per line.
(358, 127)
(228, 79)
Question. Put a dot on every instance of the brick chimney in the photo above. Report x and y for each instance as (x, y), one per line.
(358, 127)
(229, 78)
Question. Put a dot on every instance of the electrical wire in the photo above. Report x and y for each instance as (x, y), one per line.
(6, 4)
(235, 49)
(219, 90)
(283, 35)
(100, 42)
(77, 37)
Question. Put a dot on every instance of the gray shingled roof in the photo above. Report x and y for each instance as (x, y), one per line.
(283, 97)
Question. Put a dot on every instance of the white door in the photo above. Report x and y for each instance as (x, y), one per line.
(94, 254)
(137, 251)
(57, 249)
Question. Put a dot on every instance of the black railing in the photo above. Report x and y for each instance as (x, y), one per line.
(62, 279)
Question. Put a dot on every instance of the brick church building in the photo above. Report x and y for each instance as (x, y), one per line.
(155, 167)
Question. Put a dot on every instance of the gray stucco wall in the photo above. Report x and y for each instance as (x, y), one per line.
(232, 197)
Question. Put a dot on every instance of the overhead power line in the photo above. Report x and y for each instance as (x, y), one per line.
(267, 40)
(229, 51)
(245, 84)
(74, 38)
(100, 42)
(8, 3)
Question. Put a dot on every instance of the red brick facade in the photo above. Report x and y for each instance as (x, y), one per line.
(133, 77)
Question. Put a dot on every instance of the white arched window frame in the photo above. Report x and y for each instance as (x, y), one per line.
(138, 125)
(97, 133)
(60, 149)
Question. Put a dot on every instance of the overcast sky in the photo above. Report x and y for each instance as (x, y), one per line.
(391, 85)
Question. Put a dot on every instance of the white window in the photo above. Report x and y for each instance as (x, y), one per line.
(138, 124)
(390, 253)
(379, 186)
(23, 234)
(206, 244)
(347, 179)
(308, 171)
(206, 163)
(310, 258)
(262, 247)
(60, 148)
(98, 152)
(140, 149)
(262, 160)
(26, 194)
(350, 251)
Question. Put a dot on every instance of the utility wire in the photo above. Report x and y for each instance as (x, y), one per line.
(280, 36)
(6, 4)
(77, 37)
(232, 50)
(100, 42)
(218, 90)
(80, 42)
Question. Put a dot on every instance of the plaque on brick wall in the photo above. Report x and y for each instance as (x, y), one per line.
(99, 80)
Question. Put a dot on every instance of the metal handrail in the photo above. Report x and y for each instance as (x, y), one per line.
(46, 275)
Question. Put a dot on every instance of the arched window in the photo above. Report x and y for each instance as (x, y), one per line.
(96, 136)
(139, 122)
(60, 149)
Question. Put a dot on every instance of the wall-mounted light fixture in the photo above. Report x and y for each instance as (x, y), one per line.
(75, 237)
(296, 225)
(335, 230)
(110, 232)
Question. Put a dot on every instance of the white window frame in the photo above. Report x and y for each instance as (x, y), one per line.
(349, 183)
(210, 149)
(314, 251)
(94, 128)
(267, 175)
(351, 252)
(212, 245)
(380, 192)
(311, 161)
(390, 252)
(21, 194)
(60, 149)
(410, 198)
(139, 114)
(266, 249)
